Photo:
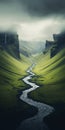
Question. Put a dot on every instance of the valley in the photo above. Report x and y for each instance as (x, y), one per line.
(12, 110)
(49, 75)
(32, 64)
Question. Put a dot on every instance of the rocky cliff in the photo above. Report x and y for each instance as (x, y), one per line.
(48, 44)
(59, 39)
(59, 43)
(10, 42)
(56, 45)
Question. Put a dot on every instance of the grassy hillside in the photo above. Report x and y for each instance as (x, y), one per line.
(12, 110)
(50, 76)
(11, 70)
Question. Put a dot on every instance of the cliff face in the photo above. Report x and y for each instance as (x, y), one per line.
(10, 42)
(48, 44)
(59, 43)
(59, 39)
(56, 45)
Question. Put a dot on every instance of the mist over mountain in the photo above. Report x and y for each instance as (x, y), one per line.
(31, 47)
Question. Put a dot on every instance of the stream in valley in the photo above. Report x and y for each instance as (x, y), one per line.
(35, 122)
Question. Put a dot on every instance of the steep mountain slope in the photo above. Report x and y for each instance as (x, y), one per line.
(25, 48)
(50, 75)
(12, 110)
(31, 47)
(56, 45)
(9, 41)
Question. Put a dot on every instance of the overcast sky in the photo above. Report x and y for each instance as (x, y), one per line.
(33, 19)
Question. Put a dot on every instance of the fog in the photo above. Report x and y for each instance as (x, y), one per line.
(33, 20)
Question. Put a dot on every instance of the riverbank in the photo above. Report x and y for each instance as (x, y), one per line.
(10, 118)
(50, 76)
(35, 122)
(56, 120)
(12, 110)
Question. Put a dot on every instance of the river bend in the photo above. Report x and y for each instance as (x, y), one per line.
(35, 122)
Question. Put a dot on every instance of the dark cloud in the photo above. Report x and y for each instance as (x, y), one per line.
(20, 14)
(44, 7)
(4, 1)
(40, 7)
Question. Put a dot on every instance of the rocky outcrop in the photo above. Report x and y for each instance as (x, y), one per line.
(53, 51)
(10, 42)
(48, 44)
(56, 45)
(59, 39)
(59, 43)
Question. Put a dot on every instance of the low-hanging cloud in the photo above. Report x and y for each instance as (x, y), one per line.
(14, 13)
(44, 7)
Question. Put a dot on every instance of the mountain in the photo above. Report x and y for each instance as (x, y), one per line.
(59, 40)
(48, 44)
(56, 45)
(9, 41)
(50, 76)
(24, 48)
(31, 47)
(12, 71)
(59, 43)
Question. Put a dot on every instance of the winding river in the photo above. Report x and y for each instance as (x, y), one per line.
(35, 122)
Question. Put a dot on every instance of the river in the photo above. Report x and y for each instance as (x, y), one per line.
(35, 122)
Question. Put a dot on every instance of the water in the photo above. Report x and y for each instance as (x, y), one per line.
(36, 122)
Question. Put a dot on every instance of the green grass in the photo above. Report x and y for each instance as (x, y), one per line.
(50, 75)
(11, 70)
(12, 110)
